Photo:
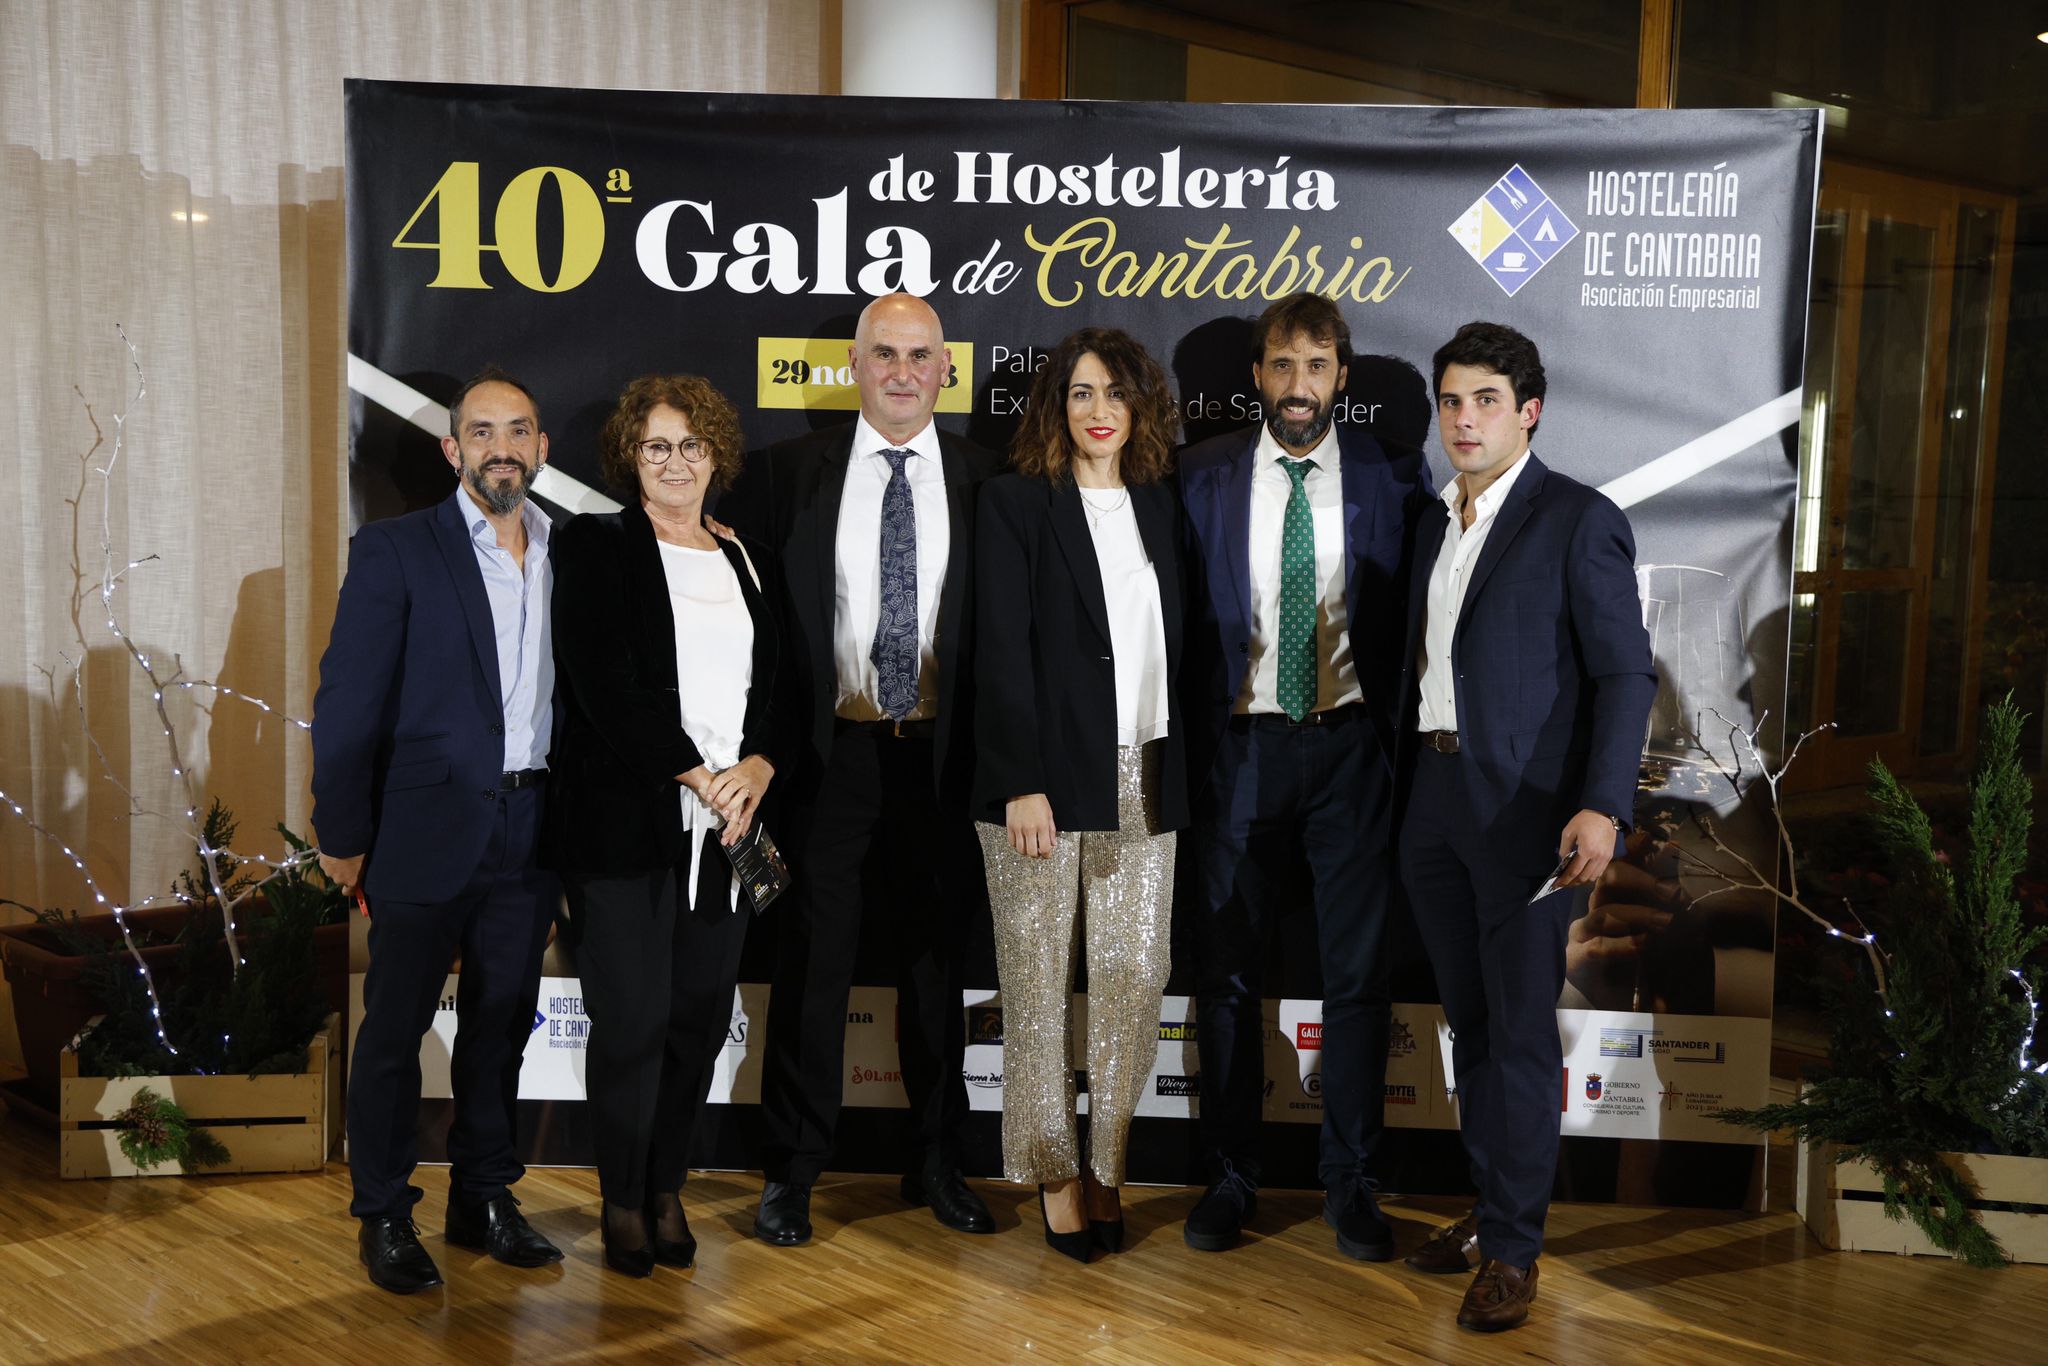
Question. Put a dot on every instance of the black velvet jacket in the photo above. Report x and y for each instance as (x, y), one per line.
(1045, 675)
(613, 807)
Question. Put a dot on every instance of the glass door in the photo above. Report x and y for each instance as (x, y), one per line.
(1891, 477)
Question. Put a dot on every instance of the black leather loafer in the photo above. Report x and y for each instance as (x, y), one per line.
(496, 1226)
(784, 1218)
(953, 1204)
(390, 1248)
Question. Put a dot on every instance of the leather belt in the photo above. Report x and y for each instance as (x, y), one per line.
(1335, 716)
(525, 777)
(1442, 741)
(890, 730)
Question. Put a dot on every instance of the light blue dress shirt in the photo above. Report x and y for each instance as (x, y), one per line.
(522, 622)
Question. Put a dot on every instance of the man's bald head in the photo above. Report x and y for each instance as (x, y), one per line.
(900, 362)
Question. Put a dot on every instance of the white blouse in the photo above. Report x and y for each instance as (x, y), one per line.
(1137, 630)
(714, 669)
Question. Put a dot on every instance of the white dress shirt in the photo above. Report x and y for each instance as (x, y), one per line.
(1336, 678)
(1447, 581)
(857, 568)
(1137, 630)
(523, 629)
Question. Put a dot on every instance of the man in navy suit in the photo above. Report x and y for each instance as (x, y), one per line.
(1527, 686)
(1298, 535)
(430, 737)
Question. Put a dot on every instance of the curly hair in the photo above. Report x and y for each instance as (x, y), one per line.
(1043, 446)
(710, 415)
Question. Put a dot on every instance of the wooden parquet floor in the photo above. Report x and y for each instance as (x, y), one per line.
(263, 1269)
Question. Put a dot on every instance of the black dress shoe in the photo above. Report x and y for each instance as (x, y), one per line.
(496, 1226)
(1218, 1218)
(1075, 1244)
(1362, 1232)
(637, 1262)
(784, 1218)
(953, 1204)
(390, 1248)
(670, 1251)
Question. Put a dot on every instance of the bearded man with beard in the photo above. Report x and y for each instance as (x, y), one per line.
(430, 738)
(1299, 536)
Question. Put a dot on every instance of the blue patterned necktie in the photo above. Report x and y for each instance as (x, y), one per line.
(895, 651)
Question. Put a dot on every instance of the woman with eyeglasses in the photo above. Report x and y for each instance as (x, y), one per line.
(668, 653)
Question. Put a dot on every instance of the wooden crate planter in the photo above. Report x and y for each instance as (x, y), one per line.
(1843, 1204)
(272, 1123)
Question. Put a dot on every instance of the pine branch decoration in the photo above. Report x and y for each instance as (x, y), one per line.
(1930, 1052)
(155, 1130)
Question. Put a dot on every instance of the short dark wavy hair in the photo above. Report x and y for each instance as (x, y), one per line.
(1312, 314)
(490, 374)
(711, 417)
(1044, 448)
(1500, 349)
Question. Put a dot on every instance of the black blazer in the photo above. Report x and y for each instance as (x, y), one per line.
(613, 807)
(787, 497)
(1044, 674)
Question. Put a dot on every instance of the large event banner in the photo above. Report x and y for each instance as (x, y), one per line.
(1660, 260)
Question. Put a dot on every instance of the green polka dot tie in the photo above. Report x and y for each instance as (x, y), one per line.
(1297, 685)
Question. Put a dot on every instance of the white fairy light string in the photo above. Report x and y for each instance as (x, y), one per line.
(189, 823)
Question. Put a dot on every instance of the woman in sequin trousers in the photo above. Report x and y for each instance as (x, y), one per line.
(1080, 780)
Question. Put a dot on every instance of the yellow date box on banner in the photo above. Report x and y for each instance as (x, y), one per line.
(813, 372)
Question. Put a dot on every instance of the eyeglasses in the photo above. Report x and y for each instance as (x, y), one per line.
(658, 452)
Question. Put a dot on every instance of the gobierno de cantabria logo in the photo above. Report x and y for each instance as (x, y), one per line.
(1513, 230)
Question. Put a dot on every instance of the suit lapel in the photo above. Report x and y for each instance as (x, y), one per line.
(648, 580)
(1070, 528)
(1361, 495)
(832, 468)
(960, 492)
(452, 535)
(1429, 543)
(1154, 506)
(1507, 522)
(1234, 488)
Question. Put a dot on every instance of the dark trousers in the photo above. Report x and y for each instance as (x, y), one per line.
(877, 790)
(1281, 791)
(1499, 964)
(657, 984)
(500, 924)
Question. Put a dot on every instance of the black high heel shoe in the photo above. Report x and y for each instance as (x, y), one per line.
(1109, 1233)
(1075, 1244)
(635, 1262)
(681, 1252)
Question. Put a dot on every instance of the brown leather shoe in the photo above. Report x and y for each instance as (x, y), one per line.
(1452, 1250)
(1498, 1298)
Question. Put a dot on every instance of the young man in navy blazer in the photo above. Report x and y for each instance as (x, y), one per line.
(1527, 685)
(1298, 537)
(430, 736)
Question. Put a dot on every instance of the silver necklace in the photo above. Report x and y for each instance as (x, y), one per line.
(1096, 519)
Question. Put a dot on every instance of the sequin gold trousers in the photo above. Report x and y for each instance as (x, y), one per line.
(1121, 883)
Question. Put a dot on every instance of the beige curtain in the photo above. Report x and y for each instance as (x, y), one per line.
(176, 169)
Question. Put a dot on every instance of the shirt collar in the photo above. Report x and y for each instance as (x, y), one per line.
(1326, 452)
(1488, 502)
(867, 441)
(538, 524)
